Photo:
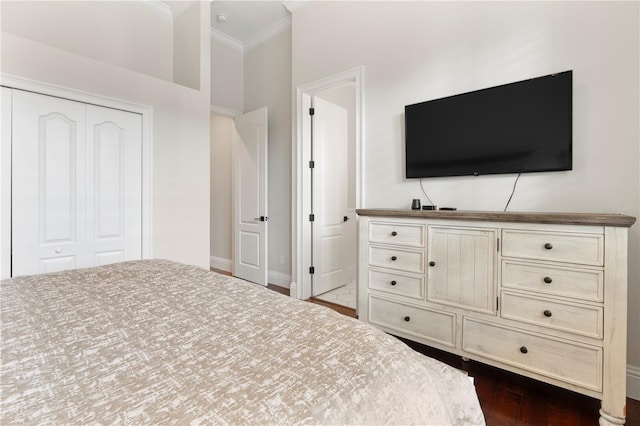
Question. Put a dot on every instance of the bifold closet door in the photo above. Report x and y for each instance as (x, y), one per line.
(76, 184)
(114, 185)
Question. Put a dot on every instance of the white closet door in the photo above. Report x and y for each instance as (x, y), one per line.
(114, 185)
(76, 184)
(48, 184)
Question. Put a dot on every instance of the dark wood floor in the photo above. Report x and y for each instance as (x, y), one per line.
(508, 399)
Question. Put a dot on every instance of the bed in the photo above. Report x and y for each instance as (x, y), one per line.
(154, 341)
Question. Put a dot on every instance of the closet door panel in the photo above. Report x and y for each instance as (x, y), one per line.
(48, 177)
(114, 185)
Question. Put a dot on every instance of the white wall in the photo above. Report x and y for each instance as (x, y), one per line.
(227, 78)
(186, 47)
(222, 131)
(180, 122)
(267, 82)
(415, 51)
(128, 34)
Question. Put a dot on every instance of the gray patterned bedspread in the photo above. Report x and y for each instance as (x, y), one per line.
(158, 342)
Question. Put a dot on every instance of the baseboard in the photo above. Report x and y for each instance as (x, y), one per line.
(633, 382)
(280, 279)
(220, 263)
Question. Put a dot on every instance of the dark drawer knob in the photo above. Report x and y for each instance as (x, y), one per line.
(548, 246)
(432, 263)
(394, 233)
(394, 258)
(393, 283)
(524, 349)
(547, 313)
(548, 280)
(407, 318)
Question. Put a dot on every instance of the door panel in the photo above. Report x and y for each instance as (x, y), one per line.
(461, 269)
(250, 197)
(76, 184)
(48, 192)
(330, 195)
(114, 185)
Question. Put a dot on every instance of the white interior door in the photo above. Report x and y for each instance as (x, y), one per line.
(330, 195)
(114, 185)
(48, 184)
(76, 184)
(250, 197)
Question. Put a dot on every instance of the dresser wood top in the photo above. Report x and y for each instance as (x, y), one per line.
(599, 219)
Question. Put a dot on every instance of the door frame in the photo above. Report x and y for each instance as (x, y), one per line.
(20, 83)
(301, 176)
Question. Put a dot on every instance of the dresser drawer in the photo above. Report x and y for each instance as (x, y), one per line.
(582, 319)
(397, 233)
(396, 283)
(399, 259)
(572, 363)
(420, 322)
(550, 279)
(587, 249)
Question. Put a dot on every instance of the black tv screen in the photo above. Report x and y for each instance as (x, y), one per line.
(514, 128)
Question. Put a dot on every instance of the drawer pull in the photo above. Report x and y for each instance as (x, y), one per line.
(548, 280)
(394, 258)
(547, 313)
(548, 246)
(432, 263)
(393, 282)
(394, 233)
(407, 318)
(524, 349)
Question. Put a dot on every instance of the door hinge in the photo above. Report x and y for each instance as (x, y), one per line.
(498, 247)
(312, 111)
(312, 164)
(497, 303)
(312, 270)
(312, 217)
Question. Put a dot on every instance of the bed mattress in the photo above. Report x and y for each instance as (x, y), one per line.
(155, 341)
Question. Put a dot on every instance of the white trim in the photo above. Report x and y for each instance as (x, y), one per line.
(293, 289)
(279, 279)
(145, 111)
(226, 40)
(221, 263)
(5, 184)
(300, 235)
(227, 112)
(293, 5)
(263, 36)
(270, 32)
(633, 382)
(160, 6)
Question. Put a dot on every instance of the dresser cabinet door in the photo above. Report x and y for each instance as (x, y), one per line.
(461, 267)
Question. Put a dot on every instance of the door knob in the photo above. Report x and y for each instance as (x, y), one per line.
(346, 218)
(58, 250)
(261, 218)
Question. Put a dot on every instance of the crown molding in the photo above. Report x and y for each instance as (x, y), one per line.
(160, 6)
(227, 40)
(224, 111)
(293, 5)
(268, 33)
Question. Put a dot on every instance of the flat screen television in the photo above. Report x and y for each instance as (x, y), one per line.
(514, 128)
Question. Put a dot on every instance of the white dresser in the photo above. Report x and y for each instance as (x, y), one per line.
(540, 294)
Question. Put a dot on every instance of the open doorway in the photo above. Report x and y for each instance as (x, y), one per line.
(315, 265)
(333, 192)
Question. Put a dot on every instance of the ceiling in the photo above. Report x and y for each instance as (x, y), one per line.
(247, 20)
